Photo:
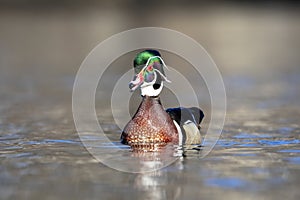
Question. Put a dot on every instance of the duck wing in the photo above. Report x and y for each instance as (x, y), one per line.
(188, 119)
(182, 115)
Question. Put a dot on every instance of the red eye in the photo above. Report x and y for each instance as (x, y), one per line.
(150, 68)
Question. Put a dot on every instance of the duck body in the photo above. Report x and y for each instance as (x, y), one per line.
(151, 127)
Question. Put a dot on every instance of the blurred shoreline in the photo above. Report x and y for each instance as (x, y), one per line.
(255, 45)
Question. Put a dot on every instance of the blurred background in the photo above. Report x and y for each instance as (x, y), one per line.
(255, 44)
(42, 43)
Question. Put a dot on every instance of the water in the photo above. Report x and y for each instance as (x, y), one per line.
(257, 156)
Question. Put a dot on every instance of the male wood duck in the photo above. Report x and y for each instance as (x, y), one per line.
(152, 127)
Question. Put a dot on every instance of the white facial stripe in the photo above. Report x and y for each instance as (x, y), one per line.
(147, 63)
(162, 76)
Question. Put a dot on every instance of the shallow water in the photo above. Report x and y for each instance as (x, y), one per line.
(257, 156)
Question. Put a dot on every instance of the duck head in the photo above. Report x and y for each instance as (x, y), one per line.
(149, 73)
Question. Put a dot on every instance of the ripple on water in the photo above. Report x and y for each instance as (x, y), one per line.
(227, 183)
(278, 142)
(19, 155)
(244, 135)
(289, 151)
(294, 160)
(227, 143)
(61, 141)
(286, 129)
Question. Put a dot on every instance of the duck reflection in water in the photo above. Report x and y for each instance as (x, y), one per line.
(155, 183)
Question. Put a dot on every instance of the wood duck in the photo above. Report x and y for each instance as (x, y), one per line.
(152, 127)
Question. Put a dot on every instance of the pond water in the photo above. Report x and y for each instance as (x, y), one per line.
(257, 156)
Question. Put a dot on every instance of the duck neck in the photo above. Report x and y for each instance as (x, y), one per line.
(149, 106)
(151, 99)
(152, 90)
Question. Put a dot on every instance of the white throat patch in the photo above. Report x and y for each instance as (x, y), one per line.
(148, 90)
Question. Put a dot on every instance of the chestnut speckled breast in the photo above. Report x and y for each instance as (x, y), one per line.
(150, 128)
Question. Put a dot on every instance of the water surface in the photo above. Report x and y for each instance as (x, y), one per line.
(42, 157)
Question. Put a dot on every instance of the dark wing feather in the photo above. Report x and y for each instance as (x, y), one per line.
(181, 115)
